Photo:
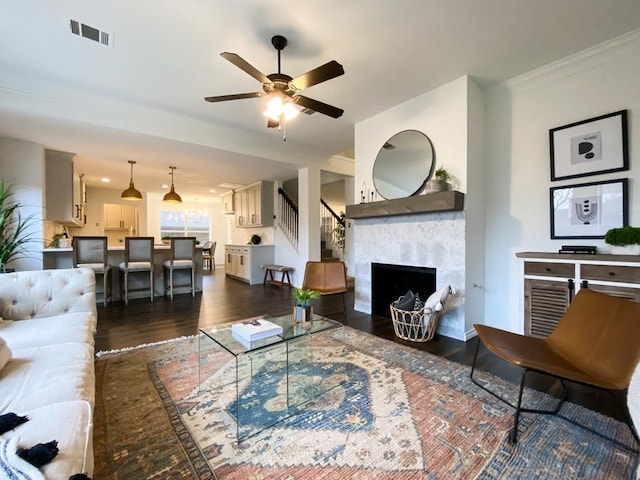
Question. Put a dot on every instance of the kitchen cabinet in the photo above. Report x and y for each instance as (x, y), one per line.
(244, 262)
(64, 189)
(253, 205)
(121, 217)
(227, 203)
(551, 281)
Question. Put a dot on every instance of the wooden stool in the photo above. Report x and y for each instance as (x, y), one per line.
(268, 272)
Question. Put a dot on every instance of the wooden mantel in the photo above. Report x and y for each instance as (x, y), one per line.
(451, 201)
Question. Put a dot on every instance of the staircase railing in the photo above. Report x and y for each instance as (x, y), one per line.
(288, 216)
(332, 228)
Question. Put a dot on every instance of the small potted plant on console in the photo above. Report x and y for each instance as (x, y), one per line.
(303, 310)
(624, 240)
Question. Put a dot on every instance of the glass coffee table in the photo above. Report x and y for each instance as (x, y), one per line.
(274, 377)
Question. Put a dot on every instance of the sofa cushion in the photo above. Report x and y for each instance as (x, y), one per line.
(75, 327)
(37, 376)
(71, 424)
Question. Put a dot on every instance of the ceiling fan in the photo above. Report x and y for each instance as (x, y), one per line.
(285, 89)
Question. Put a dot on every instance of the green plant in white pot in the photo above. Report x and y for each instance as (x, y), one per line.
(302, 309)
(14, 228)
(440, 181)
(624, 240)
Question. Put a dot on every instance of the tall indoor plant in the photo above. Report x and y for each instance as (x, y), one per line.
(14, 227)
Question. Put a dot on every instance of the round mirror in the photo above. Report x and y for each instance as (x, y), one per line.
(403, 165)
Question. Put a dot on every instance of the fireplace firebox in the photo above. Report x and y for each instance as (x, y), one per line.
(388, 282)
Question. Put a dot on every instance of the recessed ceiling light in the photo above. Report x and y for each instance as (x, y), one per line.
(213, 190)
(105, 180)
(164, 185)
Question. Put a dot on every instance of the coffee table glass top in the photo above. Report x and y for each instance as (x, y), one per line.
(222, 335)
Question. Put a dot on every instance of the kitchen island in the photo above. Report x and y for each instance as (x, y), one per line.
(53, 258)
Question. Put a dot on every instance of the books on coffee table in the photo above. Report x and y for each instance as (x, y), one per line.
(254, 329)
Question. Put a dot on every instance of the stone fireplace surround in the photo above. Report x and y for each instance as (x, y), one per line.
(434, 240)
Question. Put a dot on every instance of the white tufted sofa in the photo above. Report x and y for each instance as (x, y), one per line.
(49, 323)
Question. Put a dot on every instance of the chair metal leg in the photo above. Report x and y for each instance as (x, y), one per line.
(126, 288)
(518, 407)
(171, 283)
(193, 281)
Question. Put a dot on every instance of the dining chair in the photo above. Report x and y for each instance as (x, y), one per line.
(138, 258)
(91, 252)
(596, 343)
(183, 257)
(208, 255)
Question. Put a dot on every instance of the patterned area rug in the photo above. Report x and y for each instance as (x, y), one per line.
(393, 413)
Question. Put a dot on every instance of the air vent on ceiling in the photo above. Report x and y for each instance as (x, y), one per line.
(91, 33)
(388, 146)
(231, 185)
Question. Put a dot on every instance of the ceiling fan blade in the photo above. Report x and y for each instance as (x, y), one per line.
(318, 75)
(318, 106)
(242, 64)
(238, 96)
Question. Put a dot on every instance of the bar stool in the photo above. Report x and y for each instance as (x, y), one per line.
(183, 256)
(91, 252)
(138, 257)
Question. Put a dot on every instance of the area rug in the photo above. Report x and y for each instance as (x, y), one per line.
(394, 413)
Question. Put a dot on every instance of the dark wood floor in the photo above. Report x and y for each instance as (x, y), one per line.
(224, 300)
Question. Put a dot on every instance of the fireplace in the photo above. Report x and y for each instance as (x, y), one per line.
(388, 282)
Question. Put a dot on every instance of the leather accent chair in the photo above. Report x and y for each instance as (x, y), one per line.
(91, 252)
(596, 343)
(328, 278)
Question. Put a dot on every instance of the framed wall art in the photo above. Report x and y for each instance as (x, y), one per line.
(588, 210)
(590, 147)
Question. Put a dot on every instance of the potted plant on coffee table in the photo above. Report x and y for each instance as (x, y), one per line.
(14, 228)
(303, 310)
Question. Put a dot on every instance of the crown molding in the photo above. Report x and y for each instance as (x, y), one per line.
(616, 48)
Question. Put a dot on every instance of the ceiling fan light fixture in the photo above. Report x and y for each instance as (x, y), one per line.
(172, 196)
(276, 108)
(131, 193)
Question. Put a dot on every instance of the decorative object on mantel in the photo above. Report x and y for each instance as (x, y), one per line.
(624, 240)
(590, 147)
(403, 165)
(303, 311)
(131, 193)
(450, 201)
(578, 249)
(441, 181)
(14, 228)
(172, 196)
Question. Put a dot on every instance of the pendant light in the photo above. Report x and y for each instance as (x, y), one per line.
(131, 193)
(172, 196)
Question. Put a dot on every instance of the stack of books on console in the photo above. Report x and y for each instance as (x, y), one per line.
(255, 329)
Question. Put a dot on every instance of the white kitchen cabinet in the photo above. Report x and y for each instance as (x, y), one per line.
(121, 217)
(227, 203)
(64, 189)
(244, 262)
(254, 205)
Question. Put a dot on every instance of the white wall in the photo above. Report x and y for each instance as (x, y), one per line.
(22, 164)
(519, 115)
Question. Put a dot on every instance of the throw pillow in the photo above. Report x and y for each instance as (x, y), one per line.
(438, 298)
(407, 302)
(5, 353)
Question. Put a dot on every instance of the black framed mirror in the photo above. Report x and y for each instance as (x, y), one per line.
(403, 165)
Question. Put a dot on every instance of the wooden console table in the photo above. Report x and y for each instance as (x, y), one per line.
(551, 280)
